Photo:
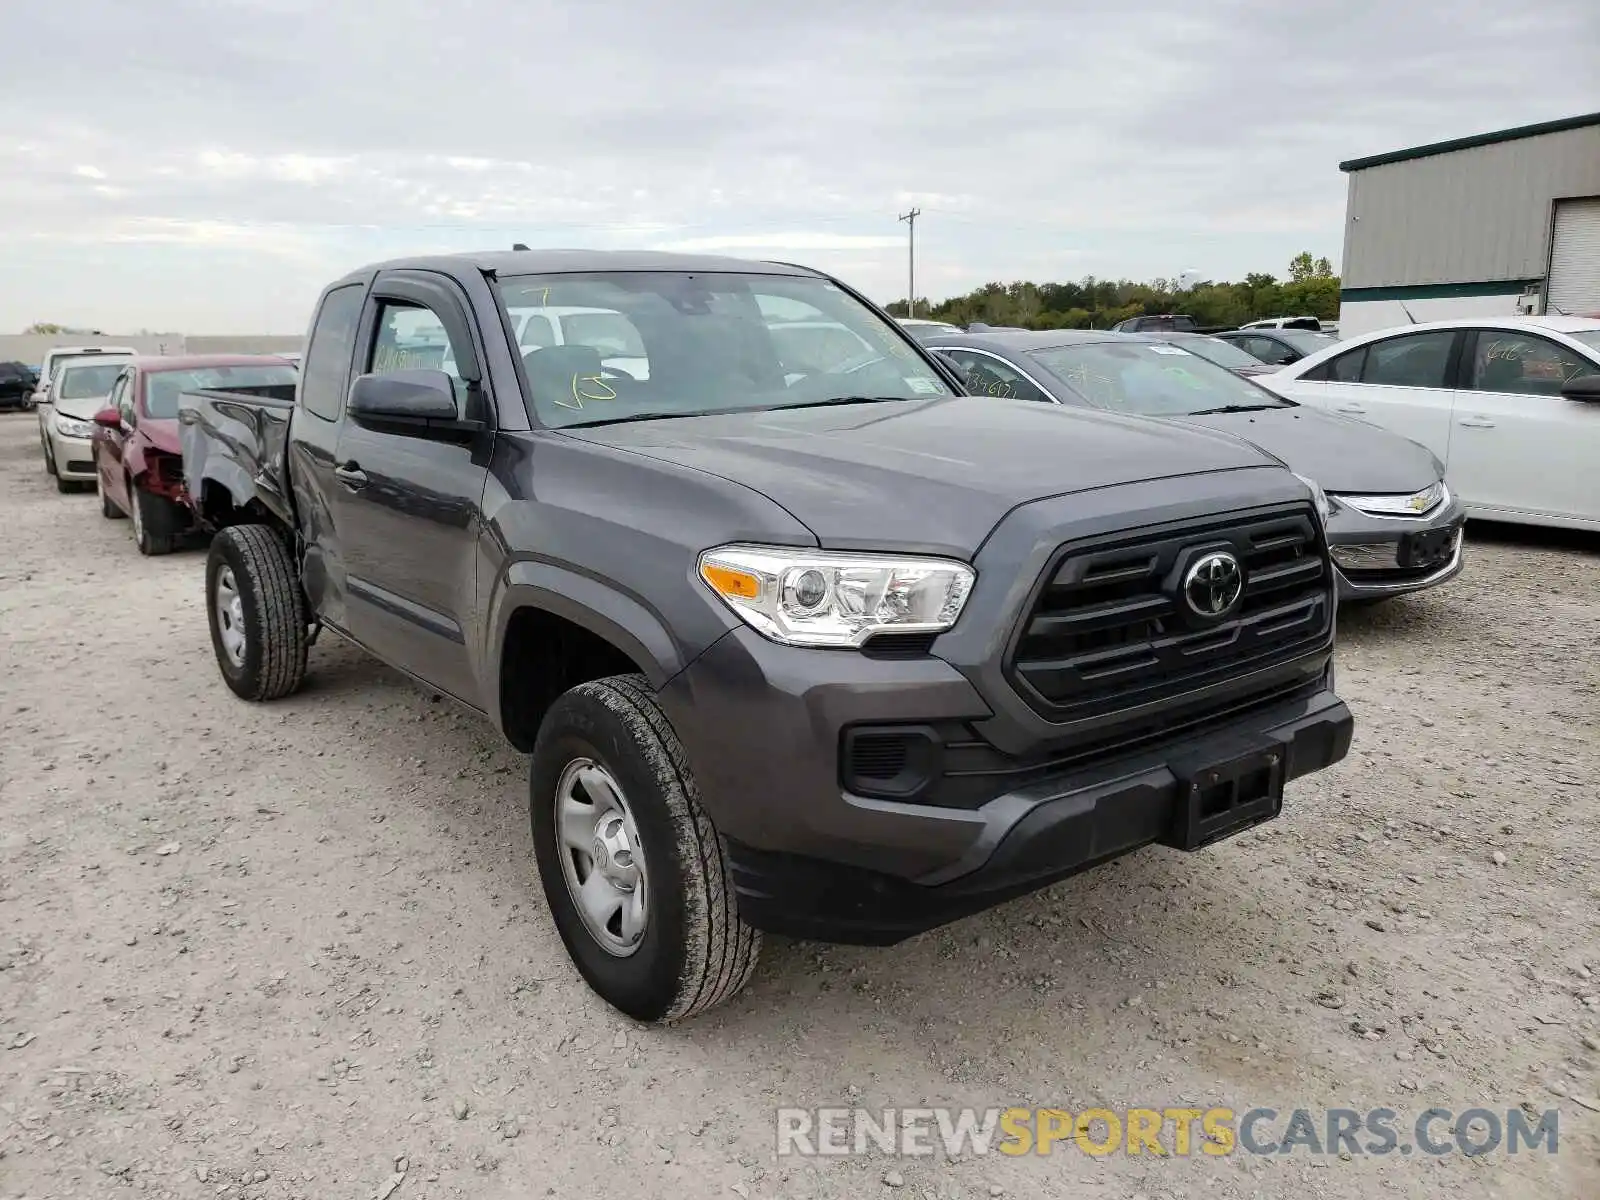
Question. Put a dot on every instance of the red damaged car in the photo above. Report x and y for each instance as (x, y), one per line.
(137, 457)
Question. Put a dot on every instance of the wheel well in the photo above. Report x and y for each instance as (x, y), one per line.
(219, 509)
(545, 655)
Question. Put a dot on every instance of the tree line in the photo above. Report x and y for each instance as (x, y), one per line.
(1311, 288)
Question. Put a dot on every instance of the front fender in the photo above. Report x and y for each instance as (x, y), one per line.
(598, 607)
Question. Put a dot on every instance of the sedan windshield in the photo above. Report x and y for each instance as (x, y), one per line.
(86, 383)
(1224, 354)
(162, 388)
(1153, 379)
(655, 344)
(1590, 338)
(1304, 340)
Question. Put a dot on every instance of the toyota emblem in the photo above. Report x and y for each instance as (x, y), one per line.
(1213, 585)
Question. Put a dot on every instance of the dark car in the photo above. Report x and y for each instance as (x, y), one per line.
(1278, 347)
(136, 450)
(824, 648)
(1224, 354)
(17, 384)
(1393, 523)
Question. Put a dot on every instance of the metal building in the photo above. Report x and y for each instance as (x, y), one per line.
(1495, 224)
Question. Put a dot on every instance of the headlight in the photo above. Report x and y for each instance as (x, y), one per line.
(72, 427)
(1417, 504)
(818, 598)
(1319, 497)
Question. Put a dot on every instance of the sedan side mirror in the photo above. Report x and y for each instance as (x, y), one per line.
(109, 418)
(1582, 387)
(416, 403)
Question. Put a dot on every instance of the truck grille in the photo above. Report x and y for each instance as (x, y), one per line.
(1110, 628)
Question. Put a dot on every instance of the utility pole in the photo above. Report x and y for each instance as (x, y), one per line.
(910, 219)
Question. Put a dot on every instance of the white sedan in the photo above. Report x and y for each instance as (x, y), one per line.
(1511, 405)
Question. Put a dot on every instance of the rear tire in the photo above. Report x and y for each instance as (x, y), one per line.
(694, 951)
(155, 520)
(257, 612)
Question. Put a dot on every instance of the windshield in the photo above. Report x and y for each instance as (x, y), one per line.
(1224, 354)
(162, 388)
(673, 343)
(1304, 340)
(1588, 337)
(1152, 379)
(86, 383)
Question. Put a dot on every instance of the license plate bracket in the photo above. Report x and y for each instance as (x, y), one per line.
(1427, 548)
(1222, 797)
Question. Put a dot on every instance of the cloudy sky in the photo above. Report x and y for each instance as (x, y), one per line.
(204, 166)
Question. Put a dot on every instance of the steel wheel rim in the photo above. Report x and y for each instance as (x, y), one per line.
(230, 615)
(602, 859)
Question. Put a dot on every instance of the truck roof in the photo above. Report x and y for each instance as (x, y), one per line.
(557, 262)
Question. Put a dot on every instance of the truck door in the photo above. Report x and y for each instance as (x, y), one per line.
(409, 506)
(313, 436)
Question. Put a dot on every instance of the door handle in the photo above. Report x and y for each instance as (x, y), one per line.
(1349, 408)
(1477, 423)
(351, 475)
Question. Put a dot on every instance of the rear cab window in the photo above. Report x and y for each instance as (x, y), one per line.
(325, 371)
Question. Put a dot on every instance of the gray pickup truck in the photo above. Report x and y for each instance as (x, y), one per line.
(800, 642)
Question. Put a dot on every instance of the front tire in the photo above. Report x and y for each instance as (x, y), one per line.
(257, 612)
(660, 938)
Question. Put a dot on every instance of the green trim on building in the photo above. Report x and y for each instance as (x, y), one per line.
(1468, 143)
(1438, 291)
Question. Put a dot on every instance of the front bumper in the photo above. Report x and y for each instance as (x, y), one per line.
(1379, 557)
(74, 457)
(764, 726)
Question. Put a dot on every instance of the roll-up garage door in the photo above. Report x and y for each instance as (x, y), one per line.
(1574, 284)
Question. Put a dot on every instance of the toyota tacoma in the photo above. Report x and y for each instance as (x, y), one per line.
(832, 651)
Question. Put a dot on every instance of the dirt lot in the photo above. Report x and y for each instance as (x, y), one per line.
(298, 950)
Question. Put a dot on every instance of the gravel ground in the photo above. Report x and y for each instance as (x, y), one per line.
(298, 950)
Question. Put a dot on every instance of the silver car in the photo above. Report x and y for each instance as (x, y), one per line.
(80, 388)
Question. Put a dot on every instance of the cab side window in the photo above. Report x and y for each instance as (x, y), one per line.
(409, 337)
(325, 372)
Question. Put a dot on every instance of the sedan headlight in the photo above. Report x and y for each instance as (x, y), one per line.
(820, 598)
(1318, 497)
(72, 427)
(1416, 504)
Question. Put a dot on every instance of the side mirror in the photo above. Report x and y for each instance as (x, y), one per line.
(418, 402)
(1582, 387)
(108, 418)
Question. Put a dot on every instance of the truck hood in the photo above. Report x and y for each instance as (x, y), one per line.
(1341, 454)
(932, 476)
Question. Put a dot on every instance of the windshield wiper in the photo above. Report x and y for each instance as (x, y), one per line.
(1233, 408)
(659, 415)
(836, 400)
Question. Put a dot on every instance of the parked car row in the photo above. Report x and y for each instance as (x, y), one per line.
(109, 419)
(1510, 405)
(1393, 524)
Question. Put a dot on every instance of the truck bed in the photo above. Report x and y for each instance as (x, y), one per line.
(236, 439)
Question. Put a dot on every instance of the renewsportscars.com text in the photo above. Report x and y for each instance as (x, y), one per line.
(1164, 1132)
